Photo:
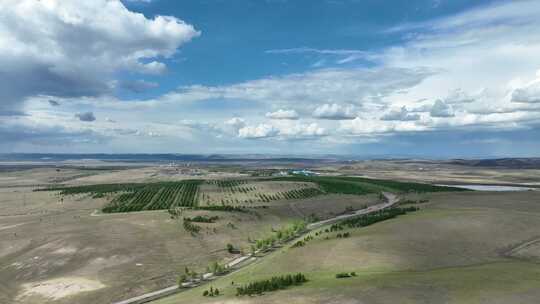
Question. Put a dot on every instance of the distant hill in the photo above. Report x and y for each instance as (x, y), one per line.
(158, 158)
(510, 163)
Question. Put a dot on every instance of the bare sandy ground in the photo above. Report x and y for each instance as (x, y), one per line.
(55, 289)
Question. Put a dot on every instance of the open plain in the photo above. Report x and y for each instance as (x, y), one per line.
(460, 247)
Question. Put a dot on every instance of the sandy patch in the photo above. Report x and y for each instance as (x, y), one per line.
(59, 288)
(110, 261)
(65, 250)
(100, 263)
(11, 246)
(10, 226)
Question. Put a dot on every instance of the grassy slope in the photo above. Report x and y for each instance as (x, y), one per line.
(452, 252)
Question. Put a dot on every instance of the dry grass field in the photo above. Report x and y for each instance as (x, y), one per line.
(152, 174)
(44, 176)
(47, 245)
(58, 249)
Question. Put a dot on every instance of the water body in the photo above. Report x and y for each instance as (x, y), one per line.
(491, 187)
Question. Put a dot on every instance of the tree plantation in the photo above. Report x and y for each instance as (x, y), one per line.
(272, 284)
(232, 195)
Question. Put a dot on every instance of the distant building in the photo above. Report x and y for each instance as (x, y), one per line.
(280, 173)
(304, 172)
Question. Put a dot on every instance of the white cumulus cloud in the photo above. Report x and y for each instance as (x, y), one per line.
(72, 48)
(283, 114)
(401, 114)
(236, 122)
(302, 131)
(258, 131)
(527, 94)
(441, 109)
(335, 111)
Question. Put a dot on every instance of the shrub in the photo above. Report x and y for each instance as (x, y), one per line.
(190, 227)
(281, 235)
(299, 244)
(343, 275)
(202, 219)
(231, 249)
(217, 268)
(211, 293)
(182, 279)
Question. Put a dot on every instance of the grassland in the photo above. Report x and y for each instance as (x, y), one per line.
(460, 248)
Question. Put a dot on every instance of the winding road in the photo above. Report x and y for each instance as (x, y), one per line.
(391, 199)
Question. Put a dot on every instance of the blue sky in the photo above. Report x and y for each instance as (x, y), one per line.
(433, 78)
(237, 35)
